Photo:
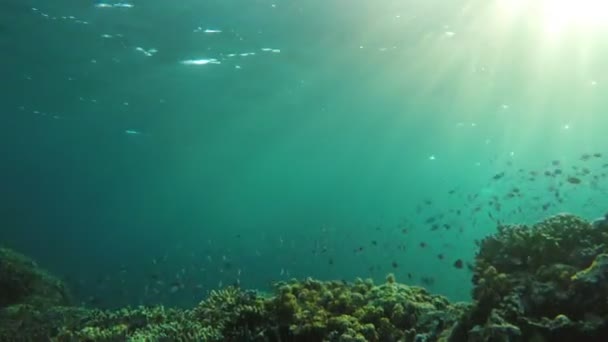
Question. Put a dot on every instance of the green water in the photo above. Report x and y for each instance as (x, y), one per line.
(309, 142)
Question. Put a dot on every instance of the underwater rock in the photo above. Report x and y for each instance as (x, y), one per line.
(594, 274)
(23, 282)
(496, 328)
(601, 221)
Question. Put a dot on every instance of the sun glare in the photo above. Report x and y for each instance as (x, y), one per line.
(559, 15)
(576, 12)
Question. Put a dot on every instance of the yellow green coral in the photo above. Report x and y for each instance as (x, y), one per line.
(596, 272)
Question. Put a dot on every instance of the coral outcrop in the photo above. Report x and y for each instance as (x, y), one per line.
(546, 281)
(23, 282)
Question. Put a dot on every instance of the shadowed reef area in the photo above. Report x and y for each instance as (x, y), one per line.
(544, 282)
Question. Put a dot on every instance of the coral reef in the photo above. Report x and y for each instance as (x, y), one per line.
(545, 282)
(308, 310)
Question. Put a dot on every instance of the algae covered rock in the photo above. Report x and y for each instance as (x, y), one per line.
(596, 273)
(23, 282)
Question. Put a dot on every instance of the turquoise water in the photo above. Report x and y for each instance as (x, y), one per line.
(154, 150)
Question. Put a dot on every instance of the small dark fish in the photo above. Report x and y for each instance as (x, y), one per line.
(498, 176)
(440, 256)
(409, 276)
(574, 180)
(597, 155)
(394, 264)
(555, 163)
(423, 244)
(459, 264)
(491, 216)
(585, 156)
(428, 281)
(374, 242)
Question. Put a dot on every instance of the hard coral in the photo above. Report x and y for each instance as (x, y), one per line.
(337, 311)
(233, 312)
(525, 276)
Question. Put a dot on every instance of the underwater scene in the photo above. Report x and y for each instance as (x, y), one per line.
(282, 170)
